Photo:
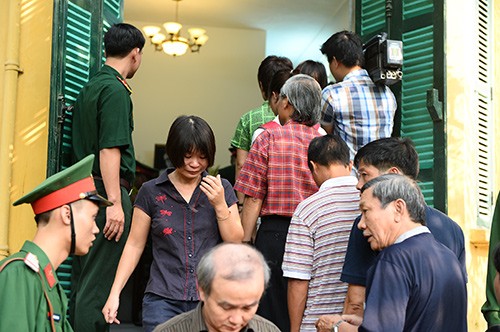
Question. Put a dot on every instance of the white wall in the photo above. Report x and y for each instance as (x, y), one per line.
(219, 84)
(299, 42)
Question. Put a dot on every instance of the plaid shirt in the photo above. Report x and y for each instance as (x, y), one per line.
(359, 110)
(248, 123)
(276, 169)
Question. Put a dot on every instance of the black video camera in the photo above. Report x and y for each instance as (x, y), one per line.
(384, 59)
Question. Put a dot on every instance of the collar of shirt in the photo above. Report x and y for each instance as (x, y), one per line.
(356, 73)
(44, 262)
(112, 71)
(415, 231)
(121, 79)
(339, 181)
(199, 322)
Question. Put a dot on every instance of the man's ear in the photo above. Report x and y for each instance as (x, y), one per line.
(202, 295)
(399, 208)
(275, 96)
(314, 166)
(135, 53)
(394, 170)
(65, 212)
(351, 163)
(334, 62)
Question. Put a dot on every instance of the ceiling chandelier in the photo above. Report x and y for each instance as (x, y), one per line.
(172, 43)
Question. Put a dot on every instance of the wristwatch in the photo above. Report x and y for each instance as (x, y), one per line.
(335, 327)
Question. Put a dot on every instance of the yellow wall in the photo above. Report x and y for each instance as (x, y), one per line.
(4, 9)
(496, 91)
(462, 207)
(31, 125)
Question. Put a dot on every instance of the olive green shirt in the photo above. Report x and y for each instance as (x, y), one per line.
(192, 321)
(102, 119)
(23, 306)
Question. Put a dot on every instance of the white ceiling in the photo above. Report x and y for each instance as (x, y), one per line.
(291, 25)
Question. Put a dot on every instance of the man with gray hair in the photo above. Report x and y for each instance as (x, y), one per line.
(275, 179)
(231, 280)
(416, 283)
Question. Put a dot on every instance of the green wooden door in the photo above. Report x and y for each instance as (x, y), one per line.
(78, 53)
(419, 24)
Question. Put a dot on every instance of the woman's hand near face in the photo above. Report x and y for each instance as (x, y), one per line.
(212, 187)
(227, 217)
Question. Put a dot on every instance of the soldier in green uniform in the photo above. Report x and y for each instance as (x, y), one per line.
(65, 206)
(491, 308)
(103, 125)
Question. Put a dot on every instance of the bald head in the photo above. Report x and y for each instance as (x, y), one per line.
(231, 261)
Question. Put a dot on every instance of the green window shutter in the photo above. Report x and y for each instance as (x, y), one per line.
(113, 11)
(78, 31)
(415, 120)
(416, 23)
(370, 17)
(484, 135)
(77, 52)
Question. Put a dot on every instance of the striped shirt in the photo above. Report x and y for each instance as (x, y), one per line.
(359, 110)
(316, 245)
(248, 123)
(276, 169)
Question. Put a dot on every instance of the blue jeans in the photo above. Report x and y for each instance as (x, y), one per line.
(157, 310)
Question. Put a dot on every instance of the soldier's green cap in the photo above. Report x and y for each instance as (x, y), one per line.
(70, 185)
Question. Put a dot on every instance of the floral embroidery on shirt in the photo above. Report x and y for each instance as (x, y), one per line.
(165, 213)
(167, 231)
(161, 198)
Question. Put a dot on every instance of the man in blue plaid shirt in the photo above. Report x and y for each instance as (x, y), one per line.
(357, 109)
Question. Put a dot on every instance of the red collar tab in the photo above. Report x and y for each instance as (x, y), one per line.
(125, 84)
(49, 275)
(69, 194)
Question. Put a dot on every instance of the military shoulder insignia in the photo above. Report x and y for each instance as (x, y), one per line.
(125, 84)
(32, 261)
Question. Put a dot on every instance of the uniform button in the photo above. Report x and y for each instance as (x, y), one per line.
(191, 270)
(190, 255)
(189, 237)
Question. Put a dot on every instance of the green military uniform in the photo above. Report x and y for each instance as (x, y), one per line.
(31, 297)
(24, 305)
(102, 118)
(491, 309)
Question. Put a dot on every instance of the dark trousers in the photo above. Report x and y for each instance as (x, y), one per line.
(158, 310)
(270, 241)
(93, 274)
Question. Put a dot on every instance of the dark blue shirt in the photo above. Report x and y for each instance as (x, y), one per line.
(359, 256)
(416, 285)
(181, 232)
